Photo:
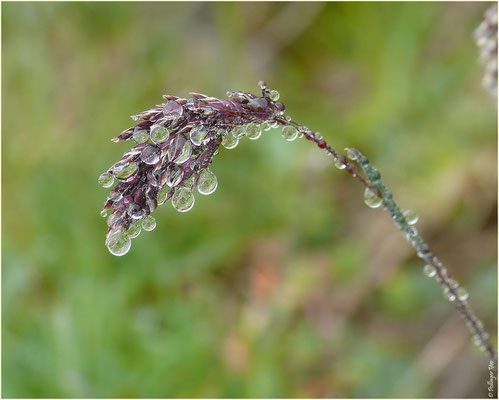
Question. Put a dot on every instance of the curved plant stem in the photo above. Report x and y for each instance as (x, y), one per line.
(372, 181)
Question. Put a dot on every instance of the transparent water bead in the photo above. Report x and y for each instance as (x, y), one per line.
(197, 135)
(135, 211)
(238, 132)
(289, 133)
(118, 242)
(174, 176)
(352, 154)
(372, 199)
(172, 110)
(183, 199)
(148, 223)
(429, 270)
(338, 163)
(411, 217)
(106, 179)
(125, 171)
(229, 141)
(265, 126)
(274, 95)
(150, 155)
(159, 134)
(161, 197)
(448, 294)
(185, 153)
(207, 182)
(140, 135)
(462, 294)
(134, 229)
(253, 131)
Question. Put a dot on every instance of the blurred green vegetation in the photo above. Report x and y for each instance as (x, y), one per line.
(282, 283)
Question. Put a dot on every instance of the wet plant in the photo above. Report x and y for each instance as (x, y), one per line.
(174, 144)
(486, 39)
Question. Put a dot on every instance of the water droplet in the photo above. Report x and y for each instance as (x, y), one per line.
(197, 135)
(371, 198)
(113, 219)
(183, 199)
(185, 153)
(105, 212)
(462, 294)
(338, 163)
(174, 176)
(265, 126)
(289, 133)
(253, 131)
(125, 171)
(140, 135)
(477, 341)
(172, 110)
(148, 223)
(453, 283)
(106, 179)
(150, 155)
(207, 182)
(135, 211)
(229, 141)
(274, 95)
(352, 154)
(238, 132)
(411, 217)
(429, 270)
(448, 294)
(161, 197)
(159, 133)
(118, 242)
(135, 229)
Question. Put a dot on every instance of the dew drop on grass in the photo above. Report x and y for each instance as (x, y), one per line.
(150, 155)
(462, 294)
(185, 153)
(338, 163)
(411, 217)
(207, 182)
(253, 131)
(118, 242)
(448, 294)
(289, 133)
(197, 135)
(229, 141)
(161, 197)
(134, 229)
(352, 154)
(106, 179)
(429, 270)
(183, 199)
(148, 223)
(174, 176)
(274, 95)
(140, 135)
(159, 133)
(125, 171)
(372, 199)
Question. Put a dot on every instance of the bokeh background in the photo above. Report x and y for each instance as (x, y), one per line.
(282, 283)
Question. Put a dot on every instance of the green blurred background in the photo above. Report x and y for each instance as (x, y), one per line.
(282, 283)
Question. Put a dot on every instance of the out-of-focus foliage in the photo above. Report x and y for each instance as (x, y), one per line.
(281, 283)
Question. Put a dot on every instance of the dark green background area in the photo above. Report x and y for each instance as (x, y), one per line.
(282, 283)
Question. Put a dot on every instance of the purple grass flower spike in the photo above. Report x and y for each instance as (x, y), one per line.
(174, 143)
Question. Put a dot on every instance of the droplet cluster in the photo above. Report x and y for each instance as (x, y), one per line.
(486, 40)
(174, 144)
